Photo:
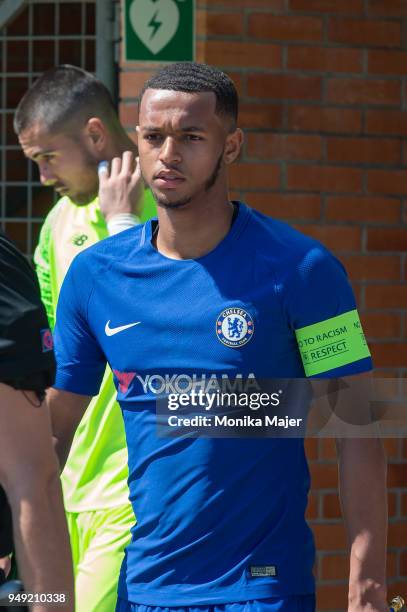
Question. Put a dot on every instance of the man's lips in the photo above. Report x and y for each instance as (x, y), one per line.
(168, 179)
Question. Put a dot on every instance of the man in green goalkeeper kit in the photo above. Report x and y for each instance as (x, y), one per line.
(67, 124)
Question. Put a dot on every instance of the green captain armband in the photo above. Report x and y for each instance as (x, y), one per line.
(332, 343)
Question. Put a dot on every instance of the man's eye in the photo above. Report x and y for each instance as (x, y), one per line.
(152, 137)
(48, 158)
(192, 137)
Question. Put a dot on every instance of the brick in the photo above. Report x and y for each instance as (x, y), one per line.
(335, 567)
(397, 537)
(337, 238)
(391, 504)
(331, 506)
(272, 5)
(387, 181)
(242, 54)
(329, 536)
(326, 120)
(332, 597)
(363, 91)
(363, 209)
(386, 296)
(252, 176)
(219, 24)
(364, 33)
(327, 449)
(287, 205)
(284, 146)
(324, 476)
(387, 62)
(384, 121)
(389, 355)
(403, 564)
(404, 504)
(364, 150)
(397, 475)
(386, 239)
(372, 267)
(311, 448)
(391, 565)
(381, 325)
(285, 28)
(128, 114)
(284, 87)
(264, 116)
(312, 507)
(323, 178)
(323, 59)
(351, 7)
(387, 8)
(131, 83)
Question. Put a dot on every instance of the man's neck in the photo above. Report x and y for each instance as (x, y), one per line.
(119, 144)
(194, 230)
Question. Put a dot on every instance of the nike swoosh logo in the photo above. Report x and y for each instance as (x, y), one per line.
(111, 331)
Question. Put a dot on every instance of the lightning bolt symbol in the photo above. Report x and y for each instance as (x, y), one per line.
(155, 25)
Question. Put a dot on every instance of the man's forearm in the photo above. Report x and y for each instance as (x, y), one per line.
(362, 482)
(66, 410)
(41, 540)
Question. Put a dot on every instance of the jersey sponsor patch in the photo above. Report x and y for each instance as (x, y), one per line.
(332, 343)
(47, 341)
(234, 327)
(262, 571)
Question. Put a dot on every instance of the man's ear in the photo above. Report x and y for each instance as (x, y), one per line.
(95, 133)
(234, 142)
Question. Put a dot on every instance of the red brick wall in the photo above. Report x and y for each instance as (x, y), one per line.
(323, 87)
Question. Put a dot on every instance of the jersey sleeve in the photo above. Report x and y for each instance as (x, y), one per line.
(43, 268)
(80, 360)
(322, 312)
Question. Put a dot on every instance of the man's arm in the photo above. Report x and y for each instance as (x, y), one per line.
(30, 476)
(66, 410)
(362, 487)
(363, 493)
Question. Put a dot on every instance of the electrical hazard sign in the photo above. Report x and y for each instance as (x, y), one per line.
(159, 30)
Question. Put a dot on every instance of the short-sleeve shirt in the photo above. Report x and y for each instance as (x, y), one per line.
(219, 520)
(26, 345)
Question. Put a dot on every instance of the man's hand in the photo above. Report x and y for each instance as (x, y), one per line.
(121, 189)
(366, 596)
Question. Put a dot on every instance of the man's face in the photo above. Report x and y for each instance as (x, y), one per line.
(63, 161)
(181, 142)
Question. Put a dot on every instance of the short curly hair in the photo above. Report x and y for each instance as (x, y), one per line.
(192, 77)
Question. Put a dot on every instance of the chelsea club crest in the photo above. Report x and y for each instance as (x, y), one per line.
(234, 327)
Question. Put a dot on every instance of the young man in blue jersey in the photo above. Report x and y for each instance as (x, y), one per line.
(214, 291)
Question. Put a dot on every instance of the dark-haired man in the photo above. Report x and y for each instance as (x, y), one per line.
(213, 292)
(28, 465)
(67, 124)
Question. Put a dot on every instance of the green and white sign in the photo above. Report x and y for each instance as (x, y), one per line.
(159, 30)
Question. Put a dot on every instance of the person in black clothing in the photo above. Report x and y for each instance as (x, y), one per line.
(29, 473)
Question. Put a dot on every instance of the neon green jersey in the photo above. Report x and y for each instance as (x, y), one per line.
(95, 475)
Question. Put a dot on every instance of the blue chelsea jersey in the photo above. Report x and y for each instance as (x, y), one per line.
(209, 510)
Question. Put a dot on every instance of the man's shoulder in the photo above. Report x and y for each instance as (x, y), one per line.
(279, 239)
(118, 247)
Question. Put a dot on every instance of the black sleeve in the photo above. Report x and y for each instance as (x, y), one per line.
(26, 346)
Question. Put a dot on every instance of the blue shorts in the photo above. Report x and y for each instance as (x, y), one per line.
(296, 603)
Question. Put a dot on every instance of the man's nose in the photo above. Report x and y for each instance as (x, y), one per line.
(47, 177)
(170, 153)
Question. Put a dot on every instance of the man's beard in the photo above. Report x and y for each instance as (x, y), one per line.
(209, 183)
